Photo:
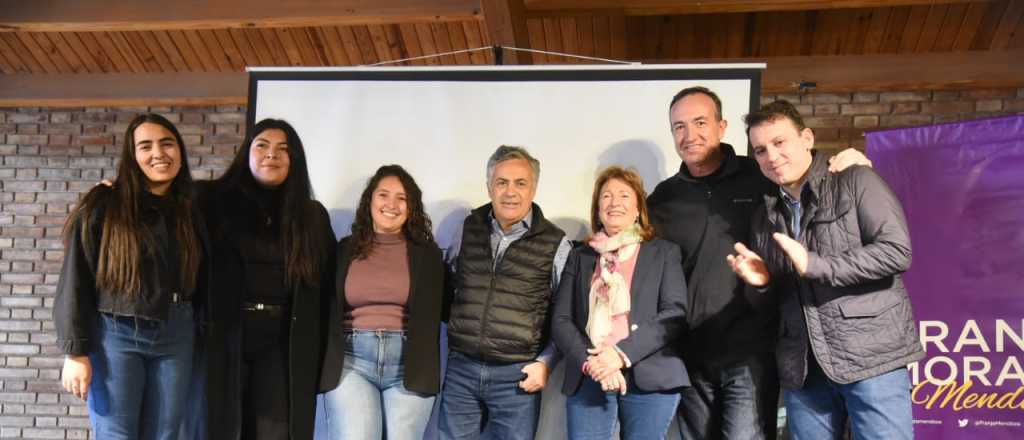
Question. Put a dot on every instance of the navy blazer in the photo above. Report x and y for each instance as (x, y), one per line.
(657, 317)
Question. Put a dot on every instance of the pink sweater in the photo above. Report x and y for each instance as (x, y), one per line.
(377, 287)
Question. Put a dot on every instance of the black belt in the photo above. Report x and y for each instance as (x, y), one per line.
(273, 309)
(177, 298)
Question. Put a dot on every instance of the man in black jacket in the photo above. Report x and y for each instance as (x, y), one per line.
(705, 208)
(833, 248)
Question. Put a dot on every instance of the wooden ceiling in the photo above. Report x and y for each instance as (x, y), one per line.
(49, 39)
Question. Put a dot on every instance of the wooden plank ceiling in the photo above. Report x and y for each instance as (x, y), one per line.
(928, 28)
(206, 45)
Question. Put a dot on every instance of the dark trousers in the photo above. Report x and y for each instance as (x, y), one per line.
(265, 378)
(738, 402)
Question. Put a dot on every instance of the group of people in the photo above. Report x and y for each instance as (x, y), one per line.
(220, 309)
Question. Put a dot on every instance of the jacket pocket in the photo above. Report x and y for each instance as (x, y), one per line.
(830, 228)
(869, 305)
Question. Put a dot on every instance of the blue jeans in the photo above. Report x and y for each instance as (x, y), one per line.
(371, 399)
(141, 372)
(592, 413)
(878, 407)
(483, 400)
(735, 402)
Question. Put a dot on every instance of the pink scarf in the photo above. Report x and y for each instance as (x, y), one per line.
(608, 318)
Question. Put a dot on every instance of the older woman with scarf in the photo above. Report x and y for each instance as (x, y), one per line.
(619, 312)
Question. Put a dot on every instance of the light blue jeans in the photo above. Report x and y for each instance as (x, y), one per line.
(141, 371)
(371, 401)
(878, 407)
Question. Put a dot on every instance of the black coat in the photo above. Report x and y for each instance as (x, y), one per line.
(422, 347)
(78, 300)
(850, 306)
(222, 346)
(657, 317)
(706, 217)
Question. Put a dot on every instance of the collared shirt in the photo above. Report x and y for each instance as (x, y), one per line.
(795, 211)
(500, 241)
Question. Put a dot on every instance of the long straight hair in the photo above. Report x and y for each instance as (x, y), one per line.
(299, 218)
(124, 239)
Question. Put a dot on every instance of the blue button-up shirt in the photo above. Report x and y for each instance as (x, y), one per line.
(795, 211)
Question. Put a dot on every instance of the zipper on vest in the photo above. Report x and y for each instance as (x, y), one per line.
(483, 319)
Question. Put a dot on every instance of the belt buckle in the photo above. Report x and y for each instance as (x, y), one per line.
(260, 306)
(175, 298)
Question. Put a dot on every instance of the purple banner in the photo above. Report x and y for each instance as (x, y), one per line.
(962, 187)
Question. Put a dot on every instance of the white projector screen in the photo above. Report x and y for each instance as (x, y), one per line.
(442, 124)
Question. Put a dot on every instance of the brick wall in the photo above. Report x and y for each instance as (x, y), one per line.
(50, 156)
(840, 119)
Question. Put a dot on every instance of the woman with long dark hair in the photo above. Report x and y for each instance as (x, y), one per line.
(273, 259)
(130, 279)
(382, 367)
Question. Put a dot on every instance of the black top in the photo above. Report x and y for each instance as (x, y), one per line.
(158, 211)
(78, 298)
(259, 244)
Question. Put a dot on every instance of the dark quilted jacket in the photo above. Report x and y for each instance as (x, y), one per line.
(851, 307)
(502, 312)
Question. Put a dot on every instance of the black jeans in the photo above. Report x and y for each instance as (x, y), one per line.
(265, 377)
(736, 402)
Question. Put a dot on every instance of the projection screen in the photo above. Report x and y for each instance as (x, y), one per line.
(442, 124)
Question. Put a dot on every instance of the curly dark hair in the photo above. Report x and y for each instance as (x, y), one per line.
(417, 225)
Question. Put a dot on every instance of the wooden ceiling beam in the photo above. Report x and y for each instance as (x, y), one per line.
(506, 26)
(133, 15)
(841, 73)
(886, 72)
(538, 8)
(124, 89)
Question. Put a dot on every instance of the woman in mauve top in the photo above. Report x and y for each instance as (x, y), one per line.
(382, 366)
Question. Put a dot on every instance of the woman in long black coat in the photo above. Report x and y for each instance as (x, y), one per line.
(273, 265)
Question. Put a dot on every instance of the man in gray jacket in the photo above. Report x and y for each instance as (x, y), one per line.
(831, 248)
